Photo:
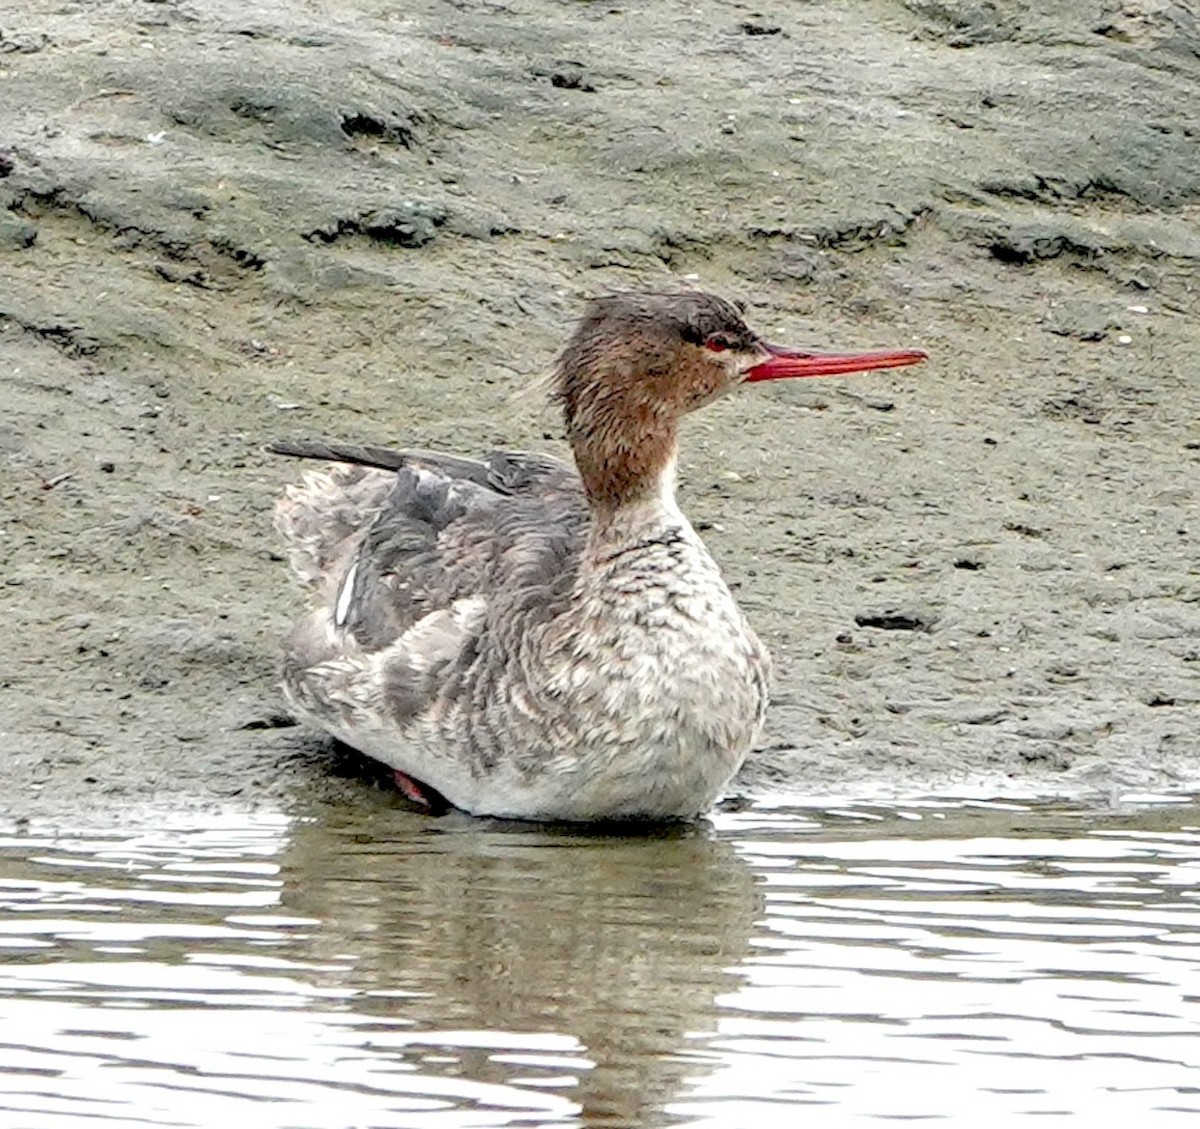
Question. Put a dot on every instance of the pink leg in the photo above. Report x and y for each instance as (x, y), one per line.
(424, 797)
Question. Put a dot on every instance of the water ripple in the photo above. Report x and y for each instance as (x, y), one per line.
(927, 960)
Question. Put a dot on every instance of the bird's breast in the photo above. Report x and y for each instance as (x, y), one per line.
(657, 640)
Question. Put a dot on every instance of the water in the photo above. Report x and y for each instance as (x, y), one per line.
(935, 961)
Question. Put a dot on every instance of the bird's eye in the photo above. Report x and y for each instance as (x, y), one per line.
(718, 343)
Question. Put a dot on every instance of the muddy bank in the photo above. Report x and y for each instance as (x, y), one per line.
(218, 228)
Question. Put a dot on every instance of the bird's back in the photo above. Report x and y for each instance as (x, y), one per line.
(393, 542)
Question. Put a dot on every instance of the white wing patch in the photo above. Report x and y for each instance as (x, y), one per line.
(341, 612)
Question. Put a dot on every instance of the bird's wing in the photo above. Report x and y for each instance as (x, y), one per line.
(506, 529)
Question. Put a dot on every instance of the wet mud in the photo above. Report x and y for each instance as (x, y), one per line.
(220, 227)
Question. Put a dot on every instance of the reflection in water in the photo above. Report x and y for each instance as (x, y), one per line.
(370, 968)
(617, 945)
(375, 967)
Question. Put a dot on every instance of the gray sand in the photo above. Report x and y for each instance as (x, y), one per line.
(219, 228)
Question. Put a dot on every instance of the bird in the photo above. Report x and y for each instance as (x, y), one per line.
(529, 639)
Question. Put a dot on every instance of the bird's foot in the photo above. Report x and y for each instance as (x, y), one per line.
(421, 796)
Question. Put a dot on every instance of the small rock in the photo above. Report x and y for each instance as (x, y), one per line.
(16, 233)
(893, 620)
(269, 721)
(23, 43)
(753, 27)
(572, 80)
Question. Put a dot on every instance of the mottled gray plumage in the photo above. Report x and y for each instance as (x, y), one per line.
(440, 530)
(529, 643)
(529, 639)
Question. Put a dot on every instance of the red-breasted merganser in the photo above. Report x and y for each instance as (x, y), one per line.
(533, 640)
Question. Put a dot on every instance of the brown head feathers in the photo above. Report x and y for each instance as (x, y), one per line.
(635, 363)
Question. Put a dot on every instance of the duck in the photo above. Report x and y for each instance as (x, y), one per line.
(522, 637)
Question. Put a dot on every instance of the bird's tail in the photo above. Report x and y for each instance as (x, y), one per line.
(321, 516)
